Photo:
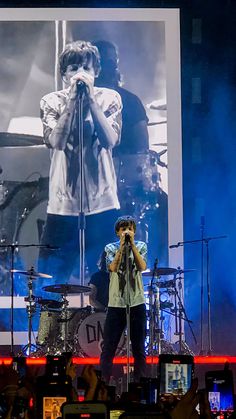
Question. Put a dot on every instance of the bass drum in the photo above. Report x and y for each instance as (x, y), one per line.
(51, 332)
(89, 336)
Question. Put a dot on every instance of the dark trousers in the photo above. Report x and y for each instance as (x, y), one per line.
(115, 324)
(62, 232)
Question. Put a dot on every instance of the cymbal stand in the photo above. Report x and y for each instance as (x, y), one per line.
(13, 247)
(181, 315)
(154, 313)
(64, 324)
(30, 308)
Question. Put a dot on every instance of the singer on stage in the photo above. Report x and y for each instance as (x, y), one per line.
(79, 66)
(119, 298)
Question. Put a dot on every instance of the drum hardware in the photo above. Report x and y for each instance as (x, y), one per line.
(180, 314)
(48, 304)
(158, 305)
(160, 272)
(8, 139)
(31, 306)
(12, 248)
(3, 193)
(137, 174)
(65, 345)
(165, 284)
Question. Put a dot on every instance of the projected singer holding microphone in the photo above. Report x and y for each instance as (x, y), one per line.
(125, 292)
(101, 123)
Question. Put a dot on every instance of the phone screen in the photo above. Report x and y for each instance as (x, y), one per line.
(175, 375)
(77, 410)
(52, 407)
(115, 414)
(19, 365)
(219, 385)
(85, 415)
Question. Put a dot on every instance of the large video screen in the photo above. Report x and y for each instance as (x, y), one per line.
(147, 163)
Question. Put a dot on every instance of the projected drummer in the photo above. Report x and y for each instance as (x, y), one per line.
(136, 166)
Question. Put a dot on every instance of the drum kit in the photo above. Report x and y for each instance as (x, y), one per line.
(164, 299)
(80, 331)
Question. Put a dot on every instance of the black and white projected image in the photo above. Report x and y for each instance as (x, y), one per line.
(133, 64)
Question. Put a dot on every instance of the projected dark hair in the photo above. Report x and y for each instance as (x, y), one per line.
(79, 52)
(125, 221)
(109, 63)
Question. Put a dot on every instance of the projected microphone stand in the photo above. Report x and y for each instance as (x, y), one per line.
(204, 240)
(79, 135)
(127, 277)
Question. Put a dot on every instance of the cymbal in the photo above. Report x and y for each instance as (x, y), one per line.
(67, 288)
(8, 139)
(151, 124)
(31, 273)
(157, 105)
(160, 272)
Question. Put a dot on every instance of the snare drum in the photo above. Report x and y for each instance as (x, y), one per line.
(89, 336)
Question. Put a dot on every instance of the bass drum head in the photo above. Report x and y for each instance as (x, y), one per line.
(90, 334)
(29, 232)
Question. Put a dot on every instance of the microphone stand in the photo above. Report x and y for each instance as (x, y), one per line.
(202, 285)
(152, 314)
(204, 240)
(79, 123)
(127, 276)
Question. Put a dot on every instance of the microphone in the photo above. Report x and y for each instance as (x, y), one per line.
(81, 86)
(127, 238)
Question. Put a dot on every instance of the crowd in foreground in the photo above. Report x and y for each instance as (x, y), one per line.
(20, 396)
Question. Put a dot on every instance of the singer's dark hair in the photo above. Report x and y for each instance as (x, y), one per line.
(125, 221)
(79, 52)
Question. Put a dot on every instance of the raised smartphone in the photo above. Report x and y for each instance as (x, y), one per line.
(89, 410)
(175, 374)
(220, 389)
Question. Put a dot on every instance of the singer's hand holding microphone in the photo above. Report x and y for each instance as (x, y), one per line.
(82, 81)
(127, 237)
